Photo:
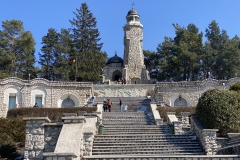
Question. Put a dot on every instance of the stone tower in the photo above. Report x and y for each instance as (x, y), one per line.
(134, 70)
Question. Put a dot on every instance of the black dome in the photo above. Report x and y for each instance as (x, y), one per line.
(132, 12)
(115, 59)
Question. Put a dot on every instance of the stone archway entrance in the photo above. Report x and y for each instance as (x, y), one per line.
(116, 75)
(67, 103)
(180, 102)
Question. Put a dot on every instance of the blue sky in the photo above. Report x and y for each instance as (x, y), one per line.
(157, 17)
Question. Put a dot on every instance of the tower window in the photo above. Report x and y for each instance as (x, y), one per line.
(136, 18)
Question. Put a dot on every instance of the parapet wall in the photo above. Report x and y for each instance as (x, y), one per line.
(172, 92)
(123, 90)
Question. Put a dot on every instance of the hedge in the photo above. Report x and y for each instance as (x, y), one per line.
(220, 109)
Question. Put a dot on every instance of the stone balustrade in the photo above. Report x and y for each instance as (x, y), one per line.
(67, 140)
(207, 137)
(156, 115)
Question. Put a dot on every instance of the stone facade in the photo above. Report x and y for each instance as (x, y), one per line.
(186, 93)
(119, 90)
(17, 93)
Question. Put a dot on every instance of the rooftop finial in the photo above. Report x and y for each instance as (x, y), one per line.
(115, 53)
(133, 5)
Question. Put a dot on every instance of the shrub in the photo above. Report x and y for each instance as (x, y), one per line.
(12, 137)
(219, 109)
(54, 114)
(163, 111)
(235, 87)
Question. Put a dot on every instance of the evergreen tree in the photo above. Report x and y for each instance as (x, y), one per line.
(87, 49)
(151, 62)
(16, 50)
(47, 57)
(63, 51)
(217, 40)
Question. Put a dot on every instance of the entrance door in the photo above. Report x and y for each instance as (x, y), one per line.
(12, 102)
(38, 100)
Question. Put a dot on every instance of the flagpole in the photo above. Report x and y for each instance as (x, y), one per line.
(76, 71)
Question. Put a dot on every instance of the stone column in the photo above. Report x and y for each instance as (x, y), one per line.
(177, 127)
(208, 139)
(185, 119)
(87, 143)
(34, 140)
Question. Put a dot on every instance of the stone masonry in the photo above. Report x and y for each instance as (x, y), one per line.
(52, 93)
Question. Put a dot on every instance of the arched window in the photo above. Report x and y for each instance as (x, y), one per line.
(67, 103)
(180, 102)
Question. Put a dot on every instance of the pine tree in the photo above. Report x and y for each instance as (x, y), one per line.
(47, 57)
(87, 48)
(17, 50)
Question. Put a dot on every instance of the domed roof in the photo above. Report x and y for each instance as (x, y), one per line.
(132, 12)
(115, 59)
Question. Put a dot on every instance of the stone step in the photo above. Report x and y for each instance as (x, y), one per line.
(177, 144)
(171, 152)
(190, 136)
(146, 144)
(160, 147)
(146, 132)
(122, 113)
(143, 140)
(127, 123)
(136, 130)
(140, 126)
(124, 149)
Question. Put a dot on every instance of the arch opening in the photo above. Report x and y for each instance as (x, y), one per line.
(180, 102)
(116, 75)
(68, 103)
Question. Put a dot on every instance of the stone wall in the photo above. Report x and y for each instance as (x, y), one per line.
(120, 90)
(170, 92)
(52, 93)
(207, 137)
(52, 131)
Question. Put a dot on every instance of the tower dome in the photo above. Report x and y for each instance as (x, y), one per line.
(132, 12)
(115, 59)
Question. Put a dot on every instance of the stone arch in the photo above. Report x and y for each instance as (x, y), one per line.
(68, 100)
(38, 91)
(12, 91)
(180, 100)
(116, 75)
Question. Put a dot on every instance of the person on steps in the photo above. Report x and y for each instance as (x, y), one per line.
(104, 105)
(120, 104)
(125, 107)
(109, 105)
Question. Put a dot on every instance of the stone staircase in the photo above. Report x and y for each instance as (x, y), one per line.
(137, 101)
(130, 134)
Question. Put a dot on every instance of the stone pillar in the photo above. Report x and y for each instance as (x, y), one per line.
(88, 138)
(185, 119)
(34, 140)
(177, 127)
(208, 139)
